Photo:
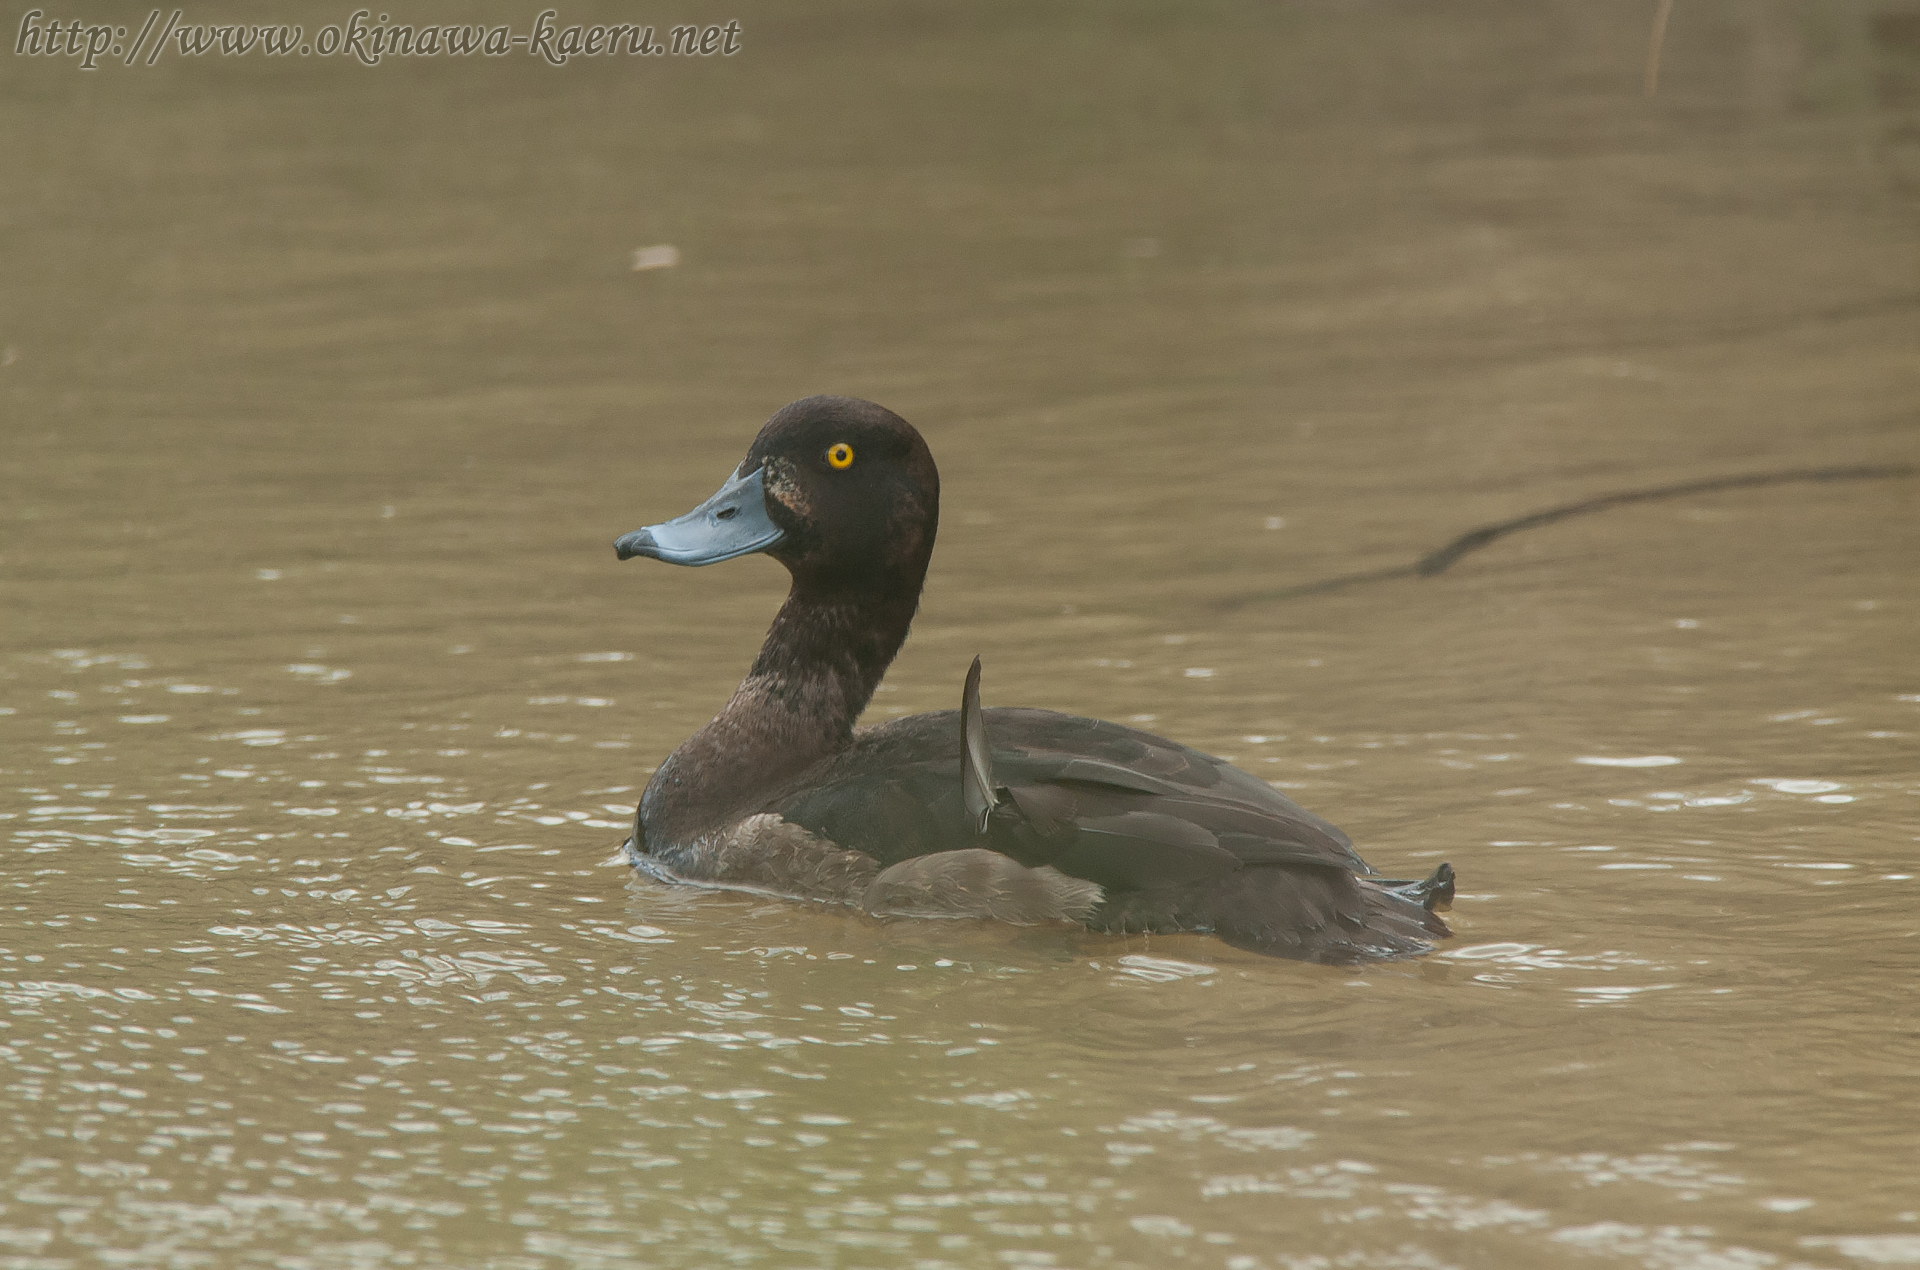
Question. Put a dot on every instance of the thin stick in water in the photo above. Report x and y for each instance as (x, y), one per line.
(1654, 41)
(1474, 539)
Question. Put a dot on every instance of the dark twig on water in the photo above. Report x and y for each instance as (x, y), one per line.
(1474, 539)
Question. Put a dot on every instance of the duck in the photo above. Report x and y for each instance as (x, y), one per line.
(1019, 815)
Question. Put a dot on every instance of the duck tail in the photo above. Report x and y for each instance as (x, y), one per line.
(1433, 892)
(1324, 915)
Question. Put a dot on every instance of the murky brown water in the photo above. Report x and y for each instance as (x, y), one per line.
(323, 696)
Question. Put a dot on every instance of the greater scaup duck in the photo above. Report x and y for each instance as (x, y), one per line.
(1021, 815)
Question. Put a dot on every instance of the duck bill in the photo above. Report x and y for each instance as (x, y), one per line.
(732, 523)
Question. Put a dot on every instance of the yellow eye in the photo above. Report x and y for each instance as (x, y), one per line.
(840, 455)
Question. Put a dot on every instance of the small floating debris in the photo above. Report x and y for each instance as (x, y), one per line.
(660, 256)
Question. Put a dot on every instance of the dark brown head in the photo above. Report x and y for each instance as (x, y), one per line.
(841, 491)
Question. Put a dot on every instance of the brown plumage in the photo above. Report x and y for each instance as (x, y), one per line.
(1020, 815)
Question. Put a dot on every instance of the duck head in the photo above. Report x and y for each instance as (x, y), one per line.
(841, 491)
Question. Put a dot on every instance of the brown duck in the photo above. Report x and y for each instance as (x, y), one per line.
(1020, 815)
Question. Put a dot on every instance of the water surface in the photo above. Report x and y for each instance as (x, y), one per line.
(323, 700)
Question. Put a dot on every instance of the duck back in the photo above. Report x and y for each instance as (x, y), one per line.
(1176, 839)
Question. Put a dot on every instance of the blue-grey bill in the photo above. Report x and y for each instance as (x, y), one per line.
(732, 523)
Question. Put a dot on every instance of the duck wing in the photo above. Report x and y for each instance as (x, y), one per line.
(1110, 804)
(1133, 829)
(1175, 839)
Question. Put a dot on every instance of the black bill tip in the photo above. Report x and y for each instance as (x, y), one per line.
(638, 543)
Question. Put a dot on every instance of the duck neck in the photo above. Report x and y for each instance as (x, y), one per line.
(823, 658)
